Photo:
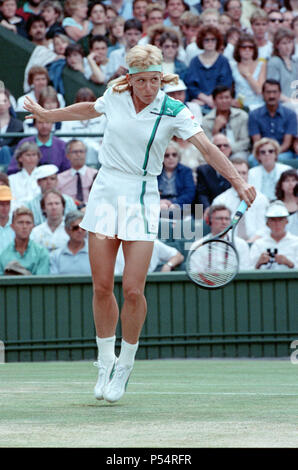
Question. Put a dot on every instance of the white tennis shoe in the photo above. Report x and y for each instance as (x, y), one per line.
(105, 372)
(118, 383)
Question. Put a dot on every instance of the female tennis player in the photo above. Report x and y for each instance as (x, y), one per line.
(124, 204)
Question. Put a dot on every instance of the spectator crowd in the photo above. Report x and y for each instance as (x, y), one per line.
(237, 62)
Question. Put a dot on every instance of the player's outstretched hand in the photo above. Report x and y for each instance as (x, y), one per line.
(37, 112)
(247, 193)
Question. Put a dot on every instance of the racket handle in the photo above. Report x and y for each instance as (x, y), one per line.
(242, 208)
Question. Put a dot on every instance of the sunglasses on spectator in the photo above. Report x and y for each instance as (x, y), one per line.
(222, 145)
(247, 46)
(210, 39)
(263, 152)
(276, 20)
(174, 154)
(75, 228)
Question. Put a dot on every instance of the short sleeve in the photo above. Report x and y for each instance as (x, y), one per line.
(164, 252)
(68, 21)
(100, 105)
(186, 125)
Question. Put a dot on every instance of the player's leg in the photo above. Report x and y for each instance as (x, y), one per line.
(137, 255)
(102, 255)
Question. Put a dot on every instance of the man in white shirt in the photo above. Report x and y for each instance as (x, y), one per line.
(252, 224)
(279, 249)
(219, 218)
(163, 254)
(51, 234)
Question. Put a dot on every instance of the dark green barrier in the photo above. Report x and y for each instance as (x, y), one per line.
(50, 318)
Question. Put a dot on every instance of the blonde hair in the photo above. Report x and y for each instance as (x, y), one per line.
(142, 57)
(70, 6)
(264, 141)
(22, 210)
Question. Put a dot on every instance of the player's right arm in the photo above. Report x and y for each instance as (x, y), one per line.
(74, 112)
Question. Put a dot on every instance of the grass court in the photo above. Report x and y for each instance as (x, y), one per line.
(169, 403)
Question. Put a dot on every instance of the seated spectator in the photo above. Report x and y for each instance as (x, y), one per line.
(252, 223)
(189, 26)
(234, 8)
(225, 23)
(52, 12)
(174, 10)
(132, 34)
(273, 121)
(283, 66)
(169, 44)
(249, 73)
(259, 24)
(31, 7)
(209, 182)
(76, 61)
(7, 124)
(36, 28)
(96, 125)
(167, 256)
(116, 34)
(10, 19)
(98, 59)
(175, 183)
(229, 120)
(73, 257)
(275, 22)
(51, 147)
(51, 233)
(23, 183)
(154, 16)
(97, 16)
(286, 191)
(76, 181)
(47, 178)
(210, 17)
(209, 69)
(6, 232)
(139, 8)
(24, 251)
(48, 99)
(265, 176)
(268, 5)
(277, 250)
(75, 23)
(288, 17)
(38, 78)
(219, 218)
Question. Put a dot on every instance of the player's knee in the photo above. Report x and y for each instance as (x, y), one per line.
(102, 289)
(132, 294)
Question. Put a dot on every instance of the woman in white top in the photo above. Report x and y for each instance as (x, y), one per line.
(249, 72)
(23, 184)
(76, 24)
(266, 174)
(123, 205)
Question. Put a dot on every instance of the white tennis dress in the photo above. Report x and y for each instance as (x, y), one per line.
(124, 199)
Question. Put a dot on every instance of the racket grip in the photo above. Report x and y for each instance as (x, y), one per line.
(242, 208)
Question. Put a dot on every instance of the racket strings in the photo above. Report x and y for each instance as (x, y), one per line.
(213, 264)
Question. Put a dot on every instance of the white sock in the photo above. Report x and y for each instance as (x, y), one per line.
(106, 349)
(127, 353)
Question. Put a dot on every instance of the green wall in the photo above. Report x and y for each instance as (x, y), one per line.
(50, 318)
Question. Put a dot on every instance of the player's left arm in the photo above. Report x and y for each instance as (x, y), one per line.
(221, 163)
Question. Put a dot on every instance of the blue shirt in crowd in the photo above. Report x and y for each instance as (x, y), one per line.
(283, 122)
(202, 79)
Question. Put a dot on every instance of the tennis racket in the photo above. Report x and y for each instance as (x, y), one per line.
(214, 263)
